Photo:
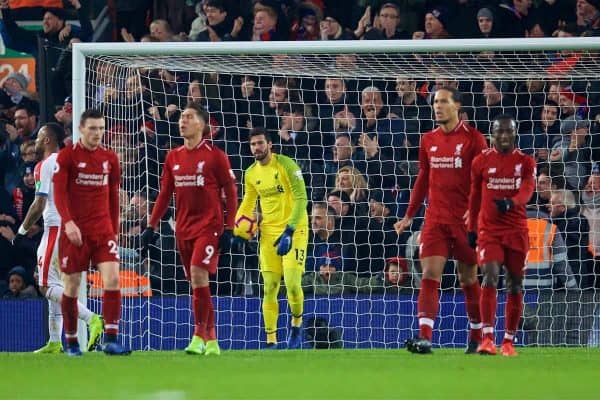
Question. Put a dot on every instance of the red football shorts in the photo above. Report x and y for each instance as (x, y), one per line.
(201, 252)
(508, 249)
(94, 250)
(448, 241)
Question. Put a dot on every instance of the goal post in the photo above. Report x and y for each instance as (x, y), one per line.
(141, 87)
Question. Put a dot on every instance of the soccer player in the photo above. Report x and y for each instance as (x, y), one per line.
(86, 192)
(445, 157)
(48, 143)
(197, 173)
(502, 182)
(277, 183)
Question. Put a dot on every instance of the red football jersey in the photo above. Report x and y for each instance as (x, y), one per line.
(497, 175)
(198, 177)
(445, 173)
(86, 188)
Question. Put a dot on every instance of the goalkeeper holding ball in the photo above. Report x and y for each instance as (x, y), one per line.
(276, 182)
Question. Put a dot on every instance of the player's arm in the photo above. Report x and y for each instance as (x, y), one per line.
(419, 191)
(60, 180)
(114, 183)
(298, 190)
(527, 184)
(42, 189)
(167, 186)
(228, 185)
(525, 189)
(475, 194)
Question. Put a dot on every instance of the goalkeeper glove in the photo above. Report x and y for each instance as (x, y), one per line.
(472, 239)
(504, 205)
(148, 237)
(284, 242)
(225, 240)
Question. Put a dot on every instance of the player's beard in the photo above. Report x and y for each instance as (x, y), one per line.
(261, 156)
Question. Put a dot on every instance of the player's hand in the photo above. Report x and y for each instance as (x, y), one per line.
(225, 241)
(504, 205)
(73, 233)
(284, 242)
(148, 237)
(401, 225)
(472, 239)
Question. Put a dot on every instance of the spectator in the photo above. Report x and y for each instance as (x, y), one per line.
(307, 24)
(590, 209)
(326, 251)
(14, 91)
(492, 103)
(550, 177)
(395, 279)
(161, 30)
(351, 181)
(387, 24)
(588, 16)
(572, 104)
(26, 122)
(178, 16)
(383, 239)
(485, 22)
(336, 104)
(436, 21)
(24, 194)
(376, 134)
(265, 27)
(544, 135)
(513, 18)
(331, 27)
(547, 266)
(220, 23)
(64, 116)
(8, 229)
(19, 285)
(574, 152)
(574, 228)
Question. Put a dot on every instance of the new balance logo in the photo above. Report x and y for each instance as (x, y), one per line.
(433, 148)
(176, 167)
(492, 171)
(81, 165)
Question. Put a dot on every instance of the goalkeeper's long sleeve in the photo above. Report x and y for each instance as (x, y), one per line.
(298, 190)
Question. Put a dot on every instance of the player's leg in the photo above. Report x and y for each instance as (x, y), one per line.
(469, 283)
(515, 262)
(433, 253)
(293, 268)
(204, 261)
(111, 304)
(47, 247)
(68, 305)
(271, 271)
(488, 305)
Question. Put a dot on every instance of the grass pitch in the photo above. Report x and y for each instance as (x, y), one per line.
(557, 373)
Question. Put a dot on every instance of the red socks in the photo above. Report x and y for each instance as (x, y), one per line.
(204, 314)
(514, 309)
(427, 307)
(68, 306)
(111, 310)
(489, 303)
(472, 297)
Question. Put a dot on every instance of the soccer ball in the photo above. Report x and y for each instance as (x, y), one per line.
(245, 227)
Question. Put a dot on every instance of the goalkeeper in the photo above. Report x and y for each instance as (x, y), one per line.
(276, 182)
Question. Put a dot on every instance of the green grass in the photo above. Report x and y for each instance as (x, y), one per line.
(557, 373)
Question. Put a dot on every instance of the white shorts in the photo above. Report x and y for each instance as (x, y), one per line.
(47, 258)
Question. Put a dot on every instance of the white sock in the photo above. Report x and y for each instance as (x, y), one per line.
(54, 293)
(55, 321)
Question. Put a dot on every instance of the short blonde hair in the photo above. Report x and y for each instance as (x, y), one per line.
(358, 180)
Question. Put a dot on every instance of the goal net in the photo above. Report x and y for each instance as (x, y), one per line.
(352, 114)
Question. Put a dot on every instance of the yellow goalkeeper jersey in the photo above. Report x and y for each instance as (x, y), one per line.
(280, 191)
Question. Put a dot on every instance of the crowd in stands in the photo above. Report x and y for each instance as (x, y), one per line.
(356, 140)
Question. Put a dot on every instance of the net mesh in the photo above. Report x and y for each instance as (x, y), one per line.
(353, 123)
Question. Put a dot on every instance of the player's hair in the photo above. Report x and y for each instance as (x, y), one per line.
(90, 113)
(505, 117)
(456, 94)
(258, 131)
(199, 110)
(56, 132)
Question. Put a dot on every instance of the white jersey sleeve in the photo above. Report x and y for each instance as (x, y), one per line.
(45, 188)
